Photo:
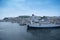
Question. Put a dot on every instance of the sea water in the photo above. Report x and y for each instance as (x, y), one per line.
(13, 31)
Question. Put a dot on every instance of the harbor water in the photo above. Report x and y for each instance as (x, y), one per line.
(13, 31)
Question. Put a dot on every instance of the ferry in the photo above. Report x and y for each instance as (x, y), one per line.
(37, 22)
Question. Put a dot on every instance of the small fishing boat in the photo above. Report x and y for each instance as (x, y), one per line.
(37, 22)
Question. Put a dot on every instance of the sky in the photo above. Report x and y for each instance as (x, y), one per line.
(13, 8)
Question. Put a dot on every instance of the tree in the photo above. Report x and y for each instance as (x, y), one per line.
(5, 19)
(44, 17)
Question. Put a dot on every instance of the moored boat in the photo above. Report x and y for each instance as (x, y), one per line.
(41, 23)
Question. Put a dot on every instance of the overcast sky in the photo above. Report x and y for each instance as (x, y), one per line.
(12, 8)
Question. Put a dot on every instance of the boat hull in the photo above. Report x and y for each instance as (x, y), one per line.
(42, 27)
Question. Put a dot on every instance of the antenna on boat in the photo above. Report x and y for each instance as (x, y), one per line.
(32, 14)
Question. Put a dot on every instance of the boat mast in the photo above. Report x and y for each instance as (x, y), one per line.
(32, 18)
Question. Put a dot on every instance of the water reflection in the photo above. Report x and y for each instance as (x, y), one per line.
(12, 31)
(46, 34)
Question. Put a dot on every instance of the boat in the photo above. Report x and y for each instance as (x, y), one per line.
(37, 22)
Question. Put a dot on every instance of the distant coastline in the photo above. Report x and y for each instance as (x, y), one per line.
(23, 20)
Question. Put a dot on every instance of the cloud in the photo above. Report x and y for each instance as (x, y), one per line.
(27, 7)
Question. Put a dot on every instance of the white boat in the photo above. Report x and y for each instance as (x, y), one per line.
(41, 23)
